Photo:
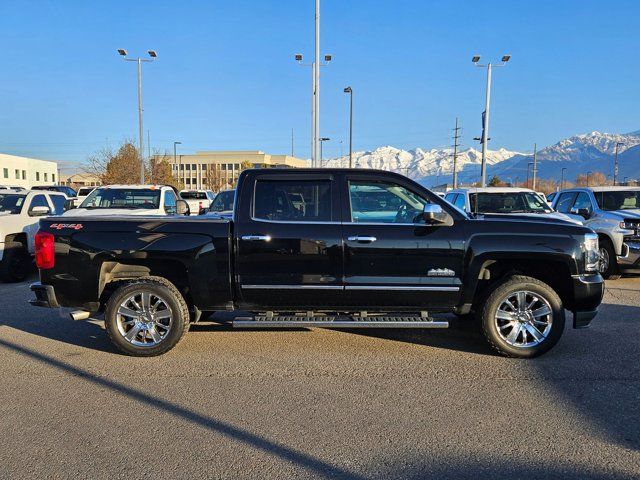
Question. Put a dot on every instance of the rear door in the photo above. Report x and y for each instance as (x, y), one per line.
(392, 258)
(288, 241)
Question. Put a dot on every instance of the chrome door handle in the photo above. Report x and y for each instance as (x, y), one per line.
(362, 239)
(256, 238)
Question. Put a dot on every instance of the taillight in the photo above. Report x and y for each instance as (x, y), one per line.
(199, 206)
(45, 250)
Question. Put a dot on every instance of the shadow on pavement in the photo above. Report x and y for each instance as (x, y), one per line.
(313, 465)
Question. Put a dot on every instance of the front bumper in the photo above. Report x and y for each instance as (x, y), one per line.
(588, 291)
(45, 296)
(630, 258)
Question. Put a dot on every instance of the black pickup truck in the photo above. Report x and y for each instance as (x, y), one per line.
(322, 248)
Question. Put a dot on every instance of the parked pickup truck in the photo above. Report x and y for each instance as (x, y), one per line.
(365, 248)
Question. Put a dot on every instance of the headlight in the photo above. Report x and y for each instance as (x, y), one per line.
(591, 252)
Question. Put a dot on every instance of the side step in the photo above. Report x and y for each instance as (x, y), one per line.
(300, 321)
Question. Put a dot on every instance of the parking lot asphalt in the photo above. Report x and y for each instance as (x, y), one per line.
(318, 403)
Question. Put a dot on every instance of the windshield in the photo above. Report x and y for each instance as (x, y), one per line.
(618, 200)
(138, 198)
(223, 201)
(508, 202)
(11, 203)
(193, 195)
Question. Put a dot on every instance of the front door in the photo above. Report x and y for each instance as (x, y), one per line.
(392, 257)
(289, 242)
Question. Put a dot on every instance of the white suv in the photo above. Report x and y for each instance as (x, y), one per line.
(20, 212)
(131, 200)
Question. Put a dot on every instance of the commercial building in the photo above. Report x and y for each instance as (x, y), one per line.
(27, 172)
(80, 180)
(220, 170)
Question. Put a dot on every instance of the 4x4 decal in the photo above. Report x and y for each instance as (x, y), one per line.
(71, 226)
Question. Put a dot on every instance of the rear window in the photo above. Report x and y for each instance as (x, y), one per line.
(193, 195)
(83, 192)
(293, 201)
(123, 198)
(223, 201)
(11, 203)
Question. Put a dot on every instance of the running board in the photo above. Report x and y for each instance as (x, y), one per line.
(293, 321)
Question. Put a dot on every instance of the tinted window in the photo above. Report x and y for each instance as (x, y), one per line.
(193, 195)
(507, 202)
(583, 201)
(83, 192)
(123, 198)
(223, 201)
(59, 204)
(11, 203)
(450, 197)
(384, 202)
(293, 201)
(565, 200)
(39, 201)
(618, 200)
(170, 205)
(461, 201)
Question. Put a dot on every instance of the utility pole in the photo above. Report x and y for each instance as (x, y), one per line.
(456, 137)
(292, 142)
(349, 90)
(564, 169)
(535, 165)
(615, 165)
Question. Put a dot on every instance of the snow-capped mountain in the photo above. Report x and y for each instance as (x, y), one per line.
(578, 154)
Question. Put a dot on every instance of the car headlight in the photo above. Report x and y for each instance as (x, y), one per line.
(591, 252)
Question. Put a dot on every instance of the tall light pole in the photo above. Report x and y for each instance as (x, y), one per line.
(564, 169)
(153, 55)
(615, 165)
(175, 157)
(487, 104)
(315, 99)
(528, 165)
(321, 141)
(535, 165)
(349, 90)
(456, 137)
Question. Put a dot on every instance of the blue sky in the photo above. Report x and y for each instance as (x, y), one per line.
(226, 79)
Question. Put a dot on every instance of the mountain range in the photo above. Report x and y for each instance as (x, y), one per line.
(593, 151)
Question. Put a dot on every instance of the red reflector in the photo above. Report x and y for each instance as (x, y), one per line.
(199, 205)
(45, 250)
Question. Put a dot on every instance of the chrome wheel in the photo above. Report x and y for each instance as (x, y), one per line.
(604, 260)
(524, 319)
(144, 319)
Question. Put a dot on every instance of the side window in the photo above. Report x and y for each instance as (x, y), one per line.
(583, 201)
(170, 205)
(60, 204)
(292, 201)
(565, 200)
(450, 197)
(460, 202)
(384, 202)
(39, 201)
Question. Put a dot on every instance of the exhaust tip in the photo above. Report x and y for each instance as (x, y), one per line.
(79, 315)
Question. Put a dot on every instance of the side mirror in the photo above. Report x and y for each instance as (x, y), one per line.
(583, 212)
(433, 214)
(40, 211)
(183, 207)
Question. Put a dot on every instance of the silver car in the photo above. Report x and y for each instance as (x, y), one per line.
(614, 214)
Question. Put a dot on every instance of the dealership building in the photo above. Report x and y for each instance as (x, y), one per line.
(27, 172)
(220, 169)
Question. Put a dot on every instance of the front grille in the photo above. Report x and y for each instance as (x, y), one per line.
(632, 224)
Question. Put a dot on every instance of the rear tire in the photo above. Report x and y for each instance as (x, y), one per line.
(609, 263)
(522, 317)
(15, 264)
(146, 317)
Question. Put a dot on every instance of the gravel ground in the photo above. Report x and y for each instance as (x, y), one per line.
(318, 403)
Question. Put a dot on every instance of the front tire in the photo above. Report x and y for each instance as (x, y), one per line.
(523, 317)
(146, 317)
(608, 260)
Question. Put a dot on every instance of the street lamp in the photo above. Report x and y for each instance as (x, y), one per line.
(564, 169)
(322, 140)
(615, 164)
(153, 55)
(349, 90)
(485, 120)
(315, 105)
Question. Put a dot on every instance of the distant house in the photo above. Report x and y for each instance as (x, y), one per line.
(80, 180)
